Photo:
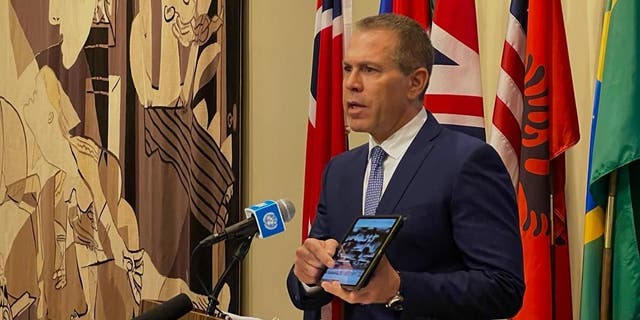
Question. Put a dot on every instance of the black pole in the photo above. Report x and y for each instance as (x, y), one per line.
(240, 253)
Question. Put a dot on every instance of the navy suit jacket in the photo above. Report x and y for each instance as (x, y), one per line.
(459, 252)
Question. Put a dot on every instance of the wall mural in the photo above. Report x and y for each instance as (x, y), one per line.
(119, 135)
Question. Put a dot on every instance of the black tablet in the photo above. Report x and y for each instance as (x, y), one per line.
(361, 250)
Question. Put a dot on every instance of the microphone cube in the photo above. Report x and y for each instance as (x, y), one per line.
(268, 217)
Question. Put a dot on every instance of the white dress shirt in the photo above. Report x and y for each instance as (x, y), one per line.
(395, 146)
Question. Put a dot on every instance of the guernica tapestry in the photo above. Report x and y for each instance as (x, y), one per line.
(120, 143)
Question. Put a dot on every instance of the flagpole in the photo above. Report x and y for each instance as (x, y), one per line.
(607, 254)
(553, 246)
(552, 237)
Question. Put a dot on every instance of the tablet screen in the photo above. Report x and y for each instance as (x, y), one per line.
(358, 250)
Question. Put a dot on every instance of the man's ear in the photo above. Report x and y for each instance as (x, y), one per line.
(418, 81)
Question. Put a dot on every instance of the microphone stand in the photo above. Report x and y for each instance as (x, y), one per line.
(193, 253)
(241, 252)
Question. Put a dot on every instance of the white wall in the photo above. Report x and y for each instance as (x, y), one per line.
(278, 62)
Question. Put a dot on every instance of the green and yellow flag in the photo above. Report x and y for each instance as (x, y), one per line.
(615, 145)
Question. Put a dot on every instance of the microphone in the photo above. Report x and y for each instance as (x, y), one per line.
(266, 219)
(171, 309)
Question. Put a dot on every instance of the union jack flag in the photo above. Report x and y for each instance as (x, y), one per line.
(454, 95)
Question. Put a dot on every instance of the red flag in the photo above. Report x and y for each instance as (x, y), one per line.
(549, 127)
(326, 134)
(417, 10)
(326, 127)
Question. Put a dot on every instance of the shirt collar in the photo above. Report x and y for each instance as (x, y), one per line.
(398, 143)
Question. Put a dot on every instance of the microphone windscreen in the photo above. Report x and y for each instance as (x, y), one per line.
(287, 209)
(171, 309)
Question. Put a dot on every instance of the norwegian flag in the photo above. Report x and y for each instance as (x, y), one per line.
(454, 95)
(326, 134)
(507, 111)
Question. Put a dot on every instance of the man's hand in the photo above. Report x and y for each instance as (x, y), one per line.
(384, 284)
(312, 258)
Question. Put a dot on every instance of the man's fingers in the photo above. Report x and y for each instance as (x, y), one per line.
(331, 246)
(336, 289)
(312, 258)
(306, 273)
(304, 254)
(319, 250)
(352, 297)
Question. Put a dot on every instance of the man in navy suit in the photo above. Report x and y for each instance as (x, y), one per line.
(459, 253)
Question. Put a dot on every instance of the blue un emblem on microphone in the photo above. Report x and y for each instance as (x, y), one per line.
(270, 221)
(268, 218)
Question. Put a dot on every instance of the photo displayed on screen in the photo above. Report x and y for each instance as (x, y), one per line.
(358, 250)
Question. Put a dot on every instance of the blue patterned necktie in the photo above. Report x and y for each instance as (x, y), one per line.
(374, 186)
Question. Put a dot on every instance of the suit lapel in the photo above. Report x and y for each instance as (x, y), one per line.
(355, 177)
(411, 161)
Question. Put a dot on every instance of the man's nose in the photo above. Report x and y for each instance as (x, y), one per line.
(353, 81)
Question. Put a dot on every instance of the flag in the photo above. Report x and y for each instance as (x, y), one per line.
(594, 214)
(505, 134)
(454, 95)
(549, 127)
(419, 10)
(326, 134)
(615, 146)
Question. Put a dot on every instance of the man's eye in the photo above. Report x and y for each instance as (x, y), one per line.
(368, 69)
(346, 68)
